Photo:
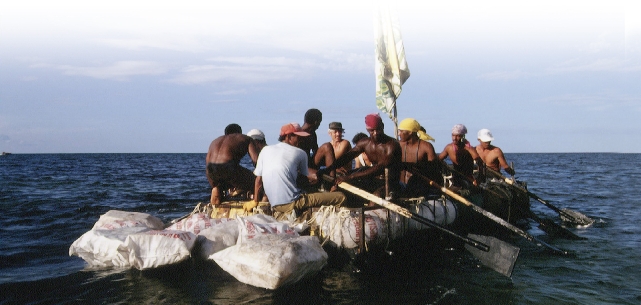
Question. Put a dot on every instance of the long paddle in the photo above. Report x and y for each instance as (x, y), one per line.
(549, 227)
(566, 214)
(498, 255)
(493, 217)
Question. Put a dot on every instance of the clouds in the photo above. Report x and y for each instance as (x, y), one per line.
(119, 71)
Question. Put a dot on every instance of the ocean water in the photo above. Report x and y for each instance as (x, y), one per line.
(49, 200)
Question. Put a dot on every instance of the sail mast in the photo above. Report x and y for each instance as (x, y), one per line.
(390, 65)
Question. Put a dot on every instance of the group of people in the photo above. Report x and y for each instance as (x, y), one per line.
(289, 174)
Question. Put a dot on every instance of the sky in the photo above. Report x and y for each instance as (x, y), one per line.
(168, 76)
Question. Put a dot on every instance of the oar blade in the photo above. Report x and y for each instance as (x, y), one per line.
(555, 230)
(575, 218)
(501, 256)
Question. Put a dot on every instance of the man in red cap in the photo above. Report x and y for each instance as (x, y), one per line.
(383, 151)
(278, 168)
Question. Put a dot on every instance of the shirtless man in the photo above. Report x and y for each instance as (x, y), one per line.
(463, 157)
(340, 145)
(223, 162)
(420, 155)
(383, 151)
(309, 144)
(491, 155)
(362, 160)
(259, 138)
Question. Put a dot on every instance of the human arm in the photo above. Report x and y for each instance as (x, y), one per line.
(503, 162)
(258, 189)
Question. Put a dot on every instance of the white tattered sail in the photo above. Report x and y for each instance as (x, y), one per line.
(390, 65)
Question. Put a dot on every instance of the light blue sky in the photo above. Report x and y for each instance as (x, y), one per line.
(168, 76)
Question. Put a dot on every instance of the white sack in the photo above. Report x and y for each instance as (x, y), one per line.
(198, 222)
(158, 248)
(104, 248)
(260, 224)
(272, 260)
(114, 219)
(218, 237)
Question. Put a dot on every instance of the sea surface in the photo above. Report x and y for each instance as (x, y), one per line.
(49, 200)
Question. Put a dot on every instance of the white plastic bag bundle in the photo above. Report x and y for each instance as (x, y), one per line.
(440, 211)
(154, 248)
(342, 227)
(272, 260)
(197, 222)
(260, 224)
(218, 237)
(114, 219)
(103, 247)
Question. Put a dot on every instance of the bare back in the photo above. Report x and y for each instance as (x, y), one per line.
(492, 156)
(231, 148)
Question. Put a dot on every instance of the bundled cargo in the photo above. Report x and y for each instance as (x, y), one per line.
(270, 254)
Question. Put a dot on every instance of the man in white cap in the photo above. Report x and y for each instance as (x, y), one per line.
(278, 168)
(463, 157)
(259, 138)
(491, 155)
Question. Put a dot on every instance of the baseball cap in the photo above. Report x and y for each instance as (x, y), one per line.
(256, 134)
(293, 128)
(485, 135)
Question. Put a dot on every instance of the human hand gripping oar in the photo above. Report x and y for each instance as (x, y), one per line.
(491, 216)
(566, 214)
(498, 255)
(548, 226)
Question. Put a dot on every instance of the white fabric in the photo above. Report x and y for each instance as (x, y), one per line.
(104, 248)
(279, 166)
(273, 260)
(342, 227)
(256, 225)
(197, 222)
(153, 249)
(390, 66)
(217, 238)
(114, 219)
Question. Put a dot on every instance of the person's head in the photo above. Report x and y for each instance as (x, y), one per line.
(359, 136)
(485, 137)
(374, 125)
(233, 128)
(257, 135)
(407, 129)
(336, 131)
(458, 133)
(290, 134)
(313, 117)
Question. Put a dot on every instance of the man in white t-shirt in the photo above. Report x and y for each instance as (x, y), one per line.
(277, 169)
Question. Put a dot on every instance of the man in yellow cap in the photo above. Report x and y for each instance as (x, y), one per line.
(419, 155)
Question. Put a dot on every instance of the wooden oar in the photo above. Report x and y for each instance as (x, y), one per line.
(493, 217)
(566, 214)
(549, 227)
(500, 256)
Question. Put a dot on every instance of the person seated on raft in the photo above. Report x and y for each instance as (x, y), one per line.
(223, 162)
(339, 145)
(464, 159)
(419, 156)
(259, 138)
(491, 155)
(362, 160)
(383, 151)
(277, 171)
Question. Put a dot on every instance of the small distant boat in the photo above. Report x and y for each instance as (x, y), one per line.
(4, 153)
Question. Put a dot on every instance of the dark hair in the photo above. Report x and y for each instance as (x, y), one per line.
(313, 115)
(233, 128)
(359, 136)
